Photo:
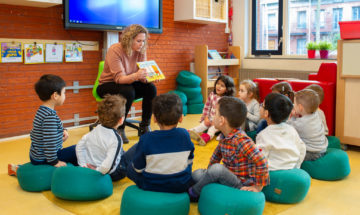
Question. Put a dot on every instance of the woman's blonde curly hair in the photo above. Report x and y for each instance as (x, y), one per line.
(128, 35)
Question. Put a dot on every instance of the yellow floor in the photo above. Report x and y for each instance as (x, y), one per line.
(340, 197)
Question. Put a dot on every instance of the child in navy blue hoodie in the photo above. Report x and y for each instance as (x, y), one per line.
(163, 158)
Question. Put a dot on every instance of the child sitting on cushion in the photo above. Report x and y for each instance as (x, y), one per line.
(308, 124)
(163, 158)
(319, 90)
(48, 133)
(102, 148)
(279, 142)
(244, 166)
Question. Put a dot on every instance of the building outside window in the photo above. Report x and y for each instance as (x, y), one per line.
(272, 21)
(337, 16)
(301, 46)
(356, 13)
(301, 19)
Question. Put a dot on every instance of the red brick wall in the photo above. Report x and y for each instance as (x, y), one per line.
(173, 50)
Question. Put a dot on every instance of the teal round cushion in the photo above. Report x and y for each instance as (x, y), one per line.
(188, 79)
(197, 100)
(195, 108)
(35, 178)
(334, 142)
(334, 165)
(136, 201)
(80, 184)
(252, 135)
(181, 95)
(220, 199)
(287, 186)
(190, 92)
(185, 110)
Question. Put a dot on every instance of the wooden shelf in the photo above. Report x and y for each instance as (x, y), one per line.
(202, 64)
(223, 62)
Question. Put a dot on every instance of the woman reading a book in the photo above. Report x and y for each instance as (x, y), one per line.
(122, 76)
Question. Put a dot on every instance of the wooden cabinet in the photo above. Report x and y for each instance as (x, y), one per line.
(201, 11)
(202, 65)
(347, 92)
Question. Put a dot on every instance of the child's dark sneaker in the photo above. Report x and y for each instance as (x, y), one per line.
(12, 168)
(192, 195)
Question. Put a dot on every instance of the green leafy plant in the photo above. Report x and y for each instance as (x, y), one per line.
(312, 46)
(324, 45)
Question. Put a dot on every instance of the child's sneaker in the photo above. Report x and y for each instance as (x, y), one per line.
(195, 136)
(192, 195)
(205, 138)
(12, 169)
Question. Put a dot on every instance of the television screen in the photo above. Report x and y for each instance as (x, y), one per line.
(113, 14)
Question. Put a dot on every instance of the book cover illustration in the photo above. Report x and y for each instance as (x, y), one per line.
(73, 53)
(152, 69)
(214, 54)
(54, 53)
(11, 52)
(34, 53)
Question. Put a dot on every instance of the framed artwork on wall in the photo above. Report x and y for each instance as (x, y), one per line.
(73, 53)
(33, 53)
(11, 52)
(54, 53)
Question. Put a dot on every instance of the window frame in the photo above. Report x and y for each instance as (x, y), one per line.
(279, 50)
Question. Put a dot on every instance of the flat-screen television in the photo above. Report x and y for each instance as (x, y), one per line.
(113, 15)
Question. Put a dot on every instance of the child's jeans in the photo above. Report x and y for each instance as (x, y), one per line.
(261, 126)
(202, 127)
(121, 169)
(311, 156)
(67, 155)
(216, 173)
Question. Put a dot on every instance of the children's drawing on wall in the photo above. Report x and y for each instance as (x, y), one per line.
(73, 53)
(34, 53)
(11, 52)
(54, 53)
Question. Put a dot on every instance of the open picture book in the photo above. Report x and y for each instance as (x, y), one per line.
(153, 70)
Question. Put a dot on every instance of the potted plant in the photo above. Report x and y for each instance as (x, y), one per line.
(324, 48)
(311, 49)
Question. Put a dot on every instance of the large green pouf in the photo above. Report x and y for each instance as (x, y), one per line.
(80, 184)
(188, 79)
(218, 199)
(334, 165)
(136, 201)
(252, 135)
(181, 95)
(190, 92)
(334, 142)
(198, 100)
(287, 186)
(35, 178)
(195, 108)
(185, 110)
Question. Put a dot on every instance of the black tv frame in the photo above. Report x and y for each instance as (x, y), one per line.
(95, 27)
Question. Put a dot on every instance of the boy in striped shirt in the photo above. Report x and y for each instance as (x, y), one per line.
(48, 134)
(244, 166)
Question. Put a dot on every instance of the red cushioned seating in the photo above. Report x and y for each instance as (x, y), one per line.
(326, 78)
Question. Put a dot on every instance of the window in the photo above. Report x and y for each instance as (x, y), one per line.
(301, 46)
(309, 20)
(337, 16)
(272, 21)
(356, 13)
(301, 19)
(266, 34)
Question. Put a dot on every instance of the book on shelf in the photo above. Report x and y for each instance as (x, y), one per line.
(152, 69)
(213, 54)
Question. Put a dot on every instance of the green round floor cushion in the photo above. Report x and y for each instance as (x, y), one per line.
(35, 178)
(185, 110)
(220, 199)
(198, 100)
(80, 184)
(334, 142)
(252, 135)
(195, 108)
(188, 79)
(136, 201)
(181, 95)
(190, 92)
(287, 186)
(334, 165)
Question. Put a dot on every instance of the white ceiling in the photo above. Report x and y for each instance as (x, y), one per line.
(32, 3)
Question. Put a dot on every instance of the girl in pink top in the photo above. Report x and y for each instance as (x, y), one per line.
(224, 86)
